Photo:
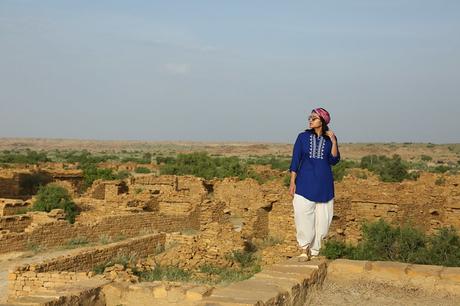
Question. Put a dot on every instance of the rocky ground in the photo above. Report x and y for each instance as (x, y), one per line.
(365, 292)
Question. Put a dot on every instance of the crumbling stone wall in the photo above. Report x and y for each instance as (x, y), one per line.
(97, 190)
(17, 223)
(420, 203)
(58, 232)
(65, 270)
(9, 185)
(10, 207)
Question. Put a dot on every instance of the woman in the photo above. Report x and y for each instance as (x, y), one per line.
(312, 183)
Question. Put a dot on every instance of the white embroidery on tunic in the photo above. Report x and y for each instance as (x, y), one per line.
(317, 145)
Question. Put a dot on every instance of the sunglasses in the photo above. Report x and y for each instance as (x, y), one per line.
(311, 118)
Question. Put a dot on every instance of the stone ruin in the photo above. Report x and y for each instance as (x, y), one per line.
(203, 220)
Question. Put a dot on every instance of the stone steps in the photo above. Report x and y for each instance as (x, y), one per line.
(287, 283)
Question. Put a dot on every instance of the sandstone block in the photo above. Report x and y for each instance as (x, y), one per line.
(424, 271)
(389, 271)
(159, 292)
(451, 274)
(350, 269)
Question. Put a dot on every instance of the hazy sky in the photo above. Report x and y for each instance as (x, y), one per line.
(230, 70)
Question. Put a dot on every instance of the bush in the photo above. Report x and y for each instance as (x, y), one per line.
(274, 162)
(202, 165)
(30, 157)
(382, 241)
(340, 170)
(444, 248)
(440, 169)
(142, 170)
(243, 258)
(228, 275)
(52, 196)
(334, 249)
(426, 157)
(167, 273)
(389, 169)
(92, 173)
(122, 174)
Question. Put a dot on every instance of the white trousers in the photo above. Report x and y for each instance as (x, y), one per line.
(312, 221)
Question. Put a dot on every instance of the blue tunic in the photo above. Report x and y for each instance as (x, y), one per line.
(312, 160)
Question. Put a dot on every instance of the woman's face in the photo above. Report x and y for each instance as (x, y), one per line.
(314, 121)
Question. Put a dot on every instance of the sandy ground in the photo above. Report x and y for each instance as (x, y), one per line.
(365, 292)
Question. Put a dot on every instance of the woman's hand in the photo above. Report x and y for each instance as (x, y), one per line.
(334, 150)
(292, 189)
(331, 135)
(292, 183)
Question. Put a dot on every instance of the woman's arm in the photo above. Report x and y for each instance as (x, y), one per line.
(334, 157)
(295, 163)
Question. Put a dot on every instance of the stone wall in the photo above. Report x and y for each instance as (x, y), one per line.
(97, 190)
(16, 223)
(65, 270)
(128, 225)
(10, 207)
(9, 186)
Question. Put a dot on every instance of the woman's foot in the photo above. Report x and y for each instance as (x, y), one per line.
(305, 255)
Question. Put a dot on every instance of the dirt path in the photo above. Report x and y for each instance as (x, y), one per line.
(10, 260)
(376, 294)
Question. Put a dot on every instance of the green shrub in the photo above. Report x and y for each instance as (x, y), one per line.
(426, 157)
(340, 170)
(440, 169)
(167, 273)
(243, 258)
(382, 241)
(334, 249)
(52, 196)
(30, 157)
(91, 173)
(228, 275)
(389, 169)
(444, 248)
(202, 165)
(142, 170)
(165, 160)
(121, 175)
(280, 163)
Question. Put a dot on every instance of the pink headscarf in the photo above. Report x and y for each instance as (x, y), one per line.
(323, 114)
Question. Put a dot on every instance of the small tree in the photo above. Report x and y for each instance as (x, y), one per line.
(53, 196)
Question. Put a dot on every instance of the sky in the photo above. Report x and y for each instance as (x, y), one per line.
(387, 71)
